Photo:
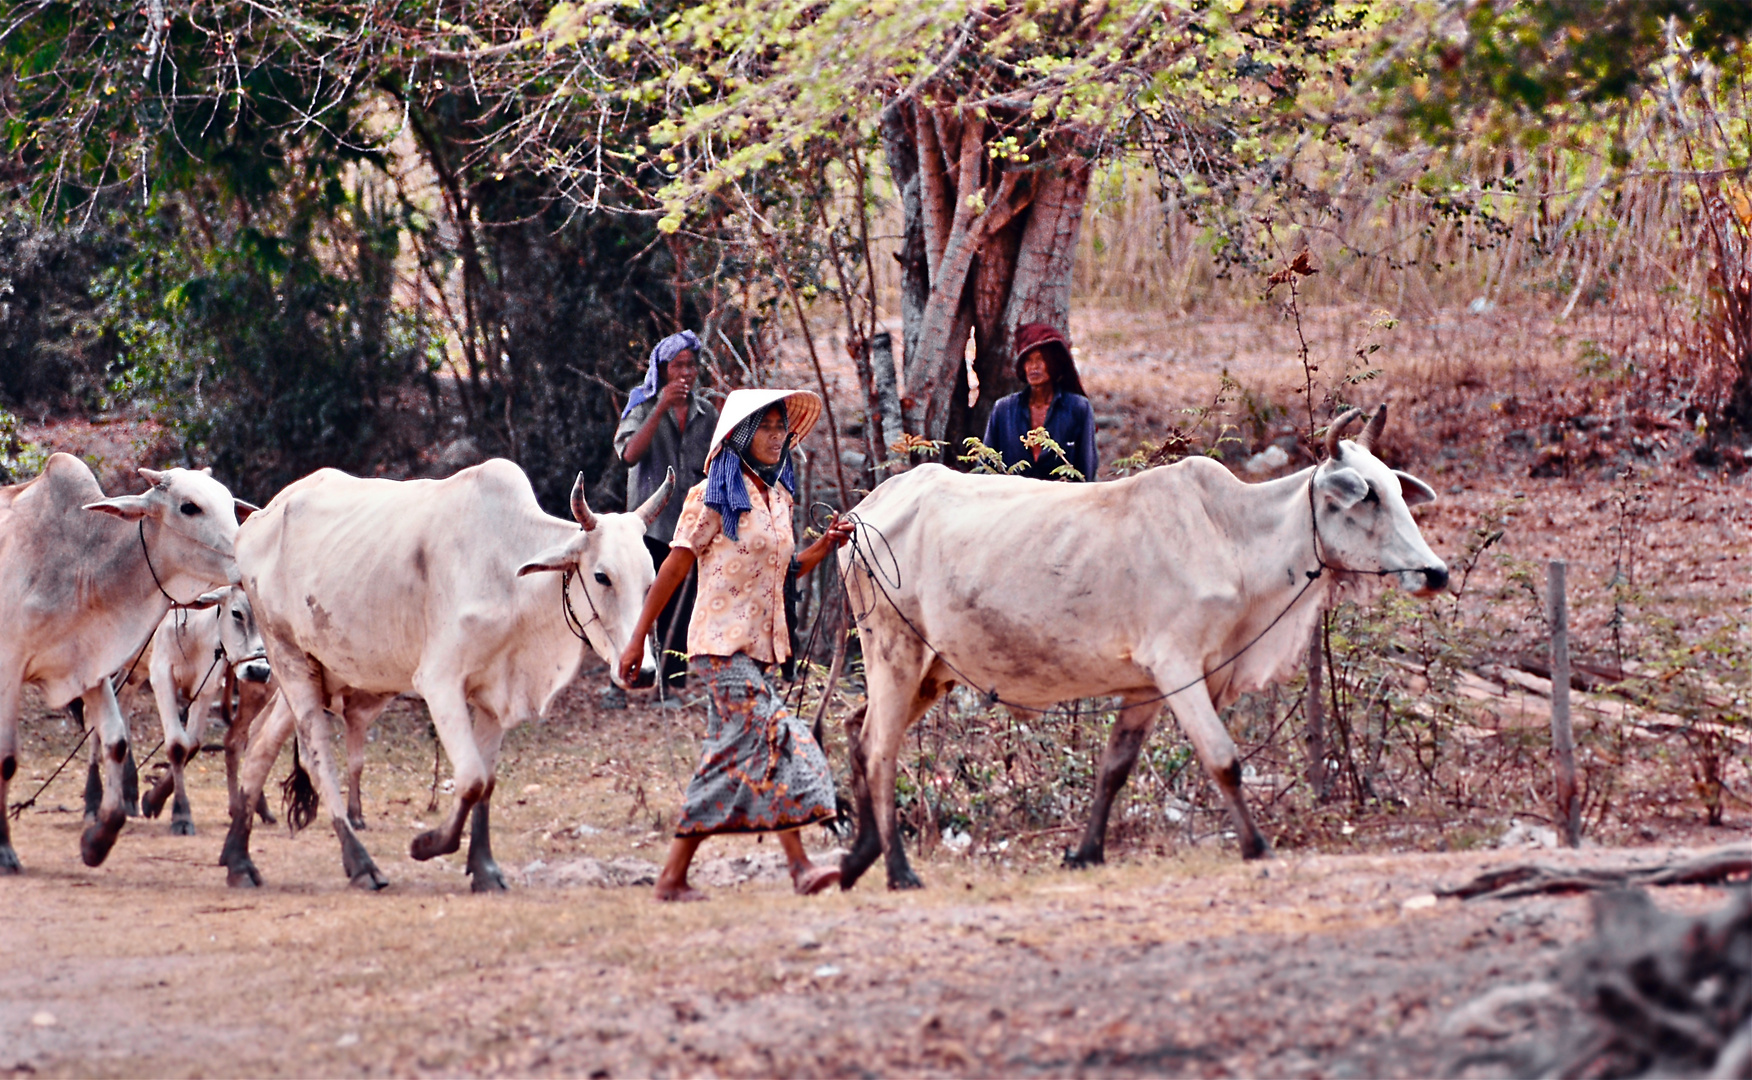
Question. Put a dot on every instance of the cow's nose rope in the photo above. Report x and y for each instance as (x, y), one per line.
(1321, 565)
(863, 551)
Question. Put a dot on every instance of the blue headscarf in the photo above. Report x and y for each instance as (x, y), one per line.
(667, 349)
(727, 489)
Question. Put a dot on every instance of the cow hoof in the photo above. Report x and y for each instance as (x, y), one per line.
(97, 840)
(267, 815)
(488, 879)
(9, 861)
(149, 806)
(244, 877)
(432, 843)
(1256, 847)
(1083, 860)
(905, 882)
(131, 809)
(182, 828)
(358, 823)
(369, 879)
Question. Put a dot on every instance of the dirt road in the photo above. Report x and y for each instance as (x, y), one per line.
(1195, 964)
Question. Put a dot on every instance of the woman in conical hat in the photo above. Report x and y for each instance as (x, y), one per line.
(762, 770)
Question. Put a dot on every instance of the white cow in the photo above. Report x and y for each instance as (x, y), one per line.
(460, 590)
(195, 654)
(80, 593)
(1181, 582)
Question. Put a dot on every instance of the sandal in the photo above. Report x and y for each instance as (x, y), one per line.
(816, 879)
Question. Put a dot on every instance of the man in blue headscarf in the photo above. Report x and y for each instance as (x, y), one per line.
(667, 425)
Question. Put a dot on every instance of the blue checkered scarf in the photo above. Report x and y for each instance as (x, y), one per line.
(727, 488)
(667, 349)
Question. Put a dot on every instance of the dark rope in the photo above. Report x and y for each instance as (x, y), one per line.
(19, 808)
(174, 602)
(860, 542)
(572, 621)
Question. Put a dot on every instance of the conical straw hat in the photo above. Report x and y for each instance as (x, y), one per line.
(802, 410)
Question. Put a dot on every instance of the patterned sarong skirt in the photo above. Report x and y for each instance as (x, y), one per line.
(762, 771)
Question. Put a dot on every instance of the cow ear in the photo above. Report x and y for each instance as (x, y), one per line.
(205, 601)
(553, 560)
(126, 507)
(207, 470)
(1344, 487)
(244, 509)
(151, 476)
(1416, 492)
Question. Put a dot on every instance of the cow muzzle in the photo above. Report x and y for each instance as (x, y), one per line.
(1428, 581)
(646, 678)
(255, 671)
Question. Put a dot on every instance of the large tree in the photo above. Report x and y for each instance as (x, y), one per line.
(991, 117)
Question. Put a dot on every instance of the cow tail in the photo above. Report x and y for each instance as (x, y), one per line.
(298, 794)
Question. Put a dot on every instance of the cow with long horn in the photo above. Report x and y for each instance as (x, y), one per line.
(1181, 586)
(460, 590)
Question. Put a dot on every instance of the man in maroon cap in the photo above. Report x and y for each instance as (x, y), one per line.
(1054, 400)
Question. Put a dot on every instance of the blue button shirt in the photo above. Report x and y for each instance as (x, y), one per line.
(1069, 420)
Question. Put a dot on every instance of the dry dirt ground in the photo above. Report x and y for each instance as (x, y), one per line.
(1185, 963)
(1195, 964)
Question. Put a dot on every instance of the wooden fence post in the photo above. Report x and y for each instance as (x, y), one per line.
(1316, 716)
(1563, 740)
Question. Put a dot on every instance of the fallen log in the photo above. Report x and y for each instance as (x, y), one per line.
(1529, 879)
(1670, 995)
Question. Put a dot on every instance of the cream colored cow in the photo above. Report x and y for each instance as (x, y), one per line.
(1182, 585)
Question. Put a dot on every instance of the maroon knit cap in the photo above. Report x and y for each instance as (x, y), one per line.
(1035, 335)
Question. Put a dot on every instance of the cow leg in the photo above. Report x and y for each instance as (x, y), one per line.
(275, 727)
(9, 685)
(93, 767)
(252, 702)
(450, 716)
(130, 782)
(882, 775)
(183, 751)
(182, 819)
(355, 772)
(1222, 762)
(867, 842)
(181, 722)
(484, 875)
(362, 710)
(1130, 730)
(301, 684)
(885, 725)
(355, 860)
(107, 724)
(152, 803)
(483, 872)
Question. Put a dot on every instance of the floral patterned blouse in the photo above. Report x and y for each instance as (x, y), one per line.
(740, 606)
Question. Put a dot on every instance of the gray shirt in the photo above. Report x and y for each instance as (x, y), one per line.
(671, 448)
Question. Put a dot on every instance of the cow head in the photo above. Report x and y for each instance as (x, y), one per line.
(197, 518)
(1363, 510)
(608, 572)
(238, 634)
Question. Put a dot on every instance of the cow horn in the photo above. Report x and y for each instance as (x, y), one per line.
(1372, 433)
(650, 508)
(1336, 430)
(580, 508)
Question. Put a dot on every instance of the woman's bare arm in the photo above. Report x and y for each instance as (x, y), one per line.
(810, 557)
(669, 578)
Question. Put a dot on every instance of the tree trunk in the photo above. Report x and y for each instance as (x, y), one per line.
(987, 245)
